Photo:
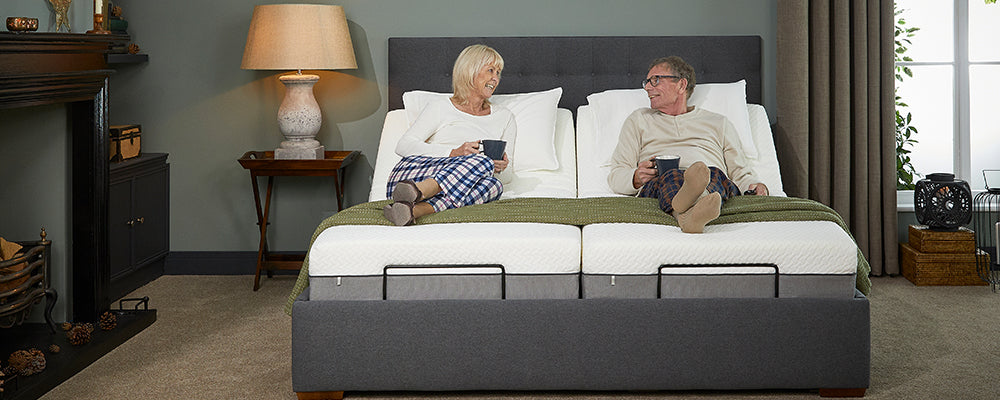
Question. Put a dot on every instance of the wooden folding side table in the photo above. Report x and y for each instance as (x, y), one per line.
(262, 163)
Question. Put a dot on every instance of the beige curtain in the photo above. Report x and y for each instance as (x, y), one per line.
(835, 119)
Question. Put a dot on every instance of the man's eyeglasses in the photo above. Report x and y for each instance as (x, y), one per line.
(655, 79)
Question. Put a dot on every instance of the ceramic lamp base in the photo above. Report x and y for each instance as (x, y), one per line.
(299, 119)
(315, 153)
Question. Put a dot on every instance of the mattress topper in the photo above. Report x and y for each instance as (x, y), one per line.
(522, 248)
(796, 247)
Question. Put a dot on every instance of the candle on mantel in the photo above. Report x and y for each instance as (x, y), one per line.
(98, 6)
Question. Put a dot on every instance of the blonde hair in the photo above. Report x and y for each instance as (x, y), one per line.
(468, 64)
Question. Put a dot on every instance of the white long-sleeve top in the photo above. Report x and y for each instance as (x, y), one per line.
(441, 127)
(697, 135)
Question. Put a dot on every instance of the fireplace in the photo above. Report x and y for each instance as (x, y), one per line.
(53, 68)
(71, 69)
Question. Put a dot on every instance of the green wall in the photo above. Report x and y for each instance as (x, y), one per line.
(195, 102)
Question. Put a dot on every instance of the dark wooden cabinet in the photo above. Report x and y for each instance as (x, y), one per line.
(138, 221)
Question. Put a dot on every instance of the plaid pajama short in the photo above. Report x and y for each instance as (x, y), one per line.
(464, 180)
(664, 187)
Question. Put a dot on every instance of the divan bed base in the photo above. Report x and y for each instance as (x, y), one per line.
(581, 344)
(716, 285)
(572, 286)
(463, 287)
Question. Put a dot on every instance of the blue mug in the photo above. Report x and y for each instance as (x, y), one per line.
(667, 162)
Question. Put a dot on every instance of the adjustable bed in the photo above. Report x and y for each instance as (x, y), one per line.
(563, 285)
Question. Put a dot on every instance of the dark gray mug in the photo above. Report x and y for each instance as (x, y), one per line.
(493, 148)
(664, 163)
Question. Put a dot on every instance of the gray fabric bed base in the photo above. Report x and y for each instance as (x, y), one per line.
(451, 287)
(583, 344)
(568, 286)
(598, 286)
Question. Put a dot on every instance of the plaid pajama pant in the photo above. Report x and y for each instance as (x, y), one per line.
(464, 180)
(664, 187)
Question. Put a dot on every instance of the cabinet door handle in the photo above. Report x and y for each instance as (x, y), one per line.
(133, 222)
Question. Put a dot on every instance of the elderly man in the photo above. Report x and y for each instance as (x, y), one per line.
(706, 142)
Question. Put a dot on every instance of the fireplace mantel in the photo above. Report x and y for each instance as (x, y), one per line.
(49, 68)
(56, 68)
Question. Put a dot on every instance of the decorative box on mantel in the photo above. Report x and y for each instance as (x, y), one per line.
(940, 257)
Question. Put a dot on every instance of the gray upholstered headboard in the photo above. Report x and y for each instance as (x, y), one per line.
(581, 65)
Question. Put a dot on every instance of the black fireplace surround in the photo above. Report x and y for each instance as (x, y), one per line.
(56, 68)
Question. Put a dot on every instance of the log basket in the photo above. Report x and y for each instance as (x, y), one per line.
(22, 288)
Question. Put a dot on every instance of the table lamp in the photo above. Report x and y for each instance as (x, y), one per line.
(298, 37)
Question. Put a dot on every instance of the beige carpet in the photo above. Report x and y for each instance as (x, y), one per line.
(215, 338)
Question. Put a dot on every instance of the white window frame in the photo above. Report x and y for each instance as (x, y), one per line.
(961, 103)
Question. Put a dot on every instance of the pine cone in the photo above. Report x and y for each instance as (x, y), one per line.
(78, 336)
(133, 48)
(54, 348)
(108, 321)
(36, 362)
(88, 326)
(27, 362)
(18, 361)
(66, 326)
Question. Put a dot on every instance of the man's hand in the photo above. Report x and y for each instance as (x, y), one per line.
(646, 170)
(465, 149)
(759, 189)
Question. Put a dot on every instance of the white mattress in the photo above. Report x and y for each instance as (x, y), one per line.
(796, 247)
(522, 248)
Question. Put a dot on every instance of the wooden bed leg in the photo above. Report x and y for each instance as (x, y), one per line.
(320, 395)
(858, 392)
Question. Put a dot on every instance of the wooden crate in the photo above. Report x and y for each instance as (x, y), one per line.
(953, 269)
(926, 240)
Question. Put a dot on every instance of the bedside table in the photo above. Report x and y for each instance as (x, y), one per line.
(262, 163)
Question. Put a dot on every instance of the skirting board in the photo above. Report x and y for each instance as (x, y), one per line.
(215, 263)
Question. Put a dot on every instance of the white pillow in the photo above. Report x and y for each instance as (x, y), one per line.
(612, 107)
(729, 99)
(535, 114)
(766, 166)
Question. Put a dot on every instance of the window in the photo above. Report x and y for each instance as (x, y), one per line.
(954, 87)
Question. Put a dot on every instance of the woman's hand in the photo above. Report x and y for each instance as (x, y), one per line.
(500, 165)
(465, 149)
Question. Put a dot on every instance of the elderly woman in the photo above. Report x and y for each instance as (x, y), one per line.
(442, 166)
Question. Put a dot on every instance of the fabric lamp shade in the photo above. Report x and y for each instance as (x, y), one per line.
(297, 37)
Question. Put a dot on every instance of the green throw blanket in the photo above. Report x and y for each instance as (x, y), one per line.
(595, 210)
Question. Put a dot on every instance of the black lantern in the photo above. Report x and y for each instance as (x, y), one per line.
(943, 202)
